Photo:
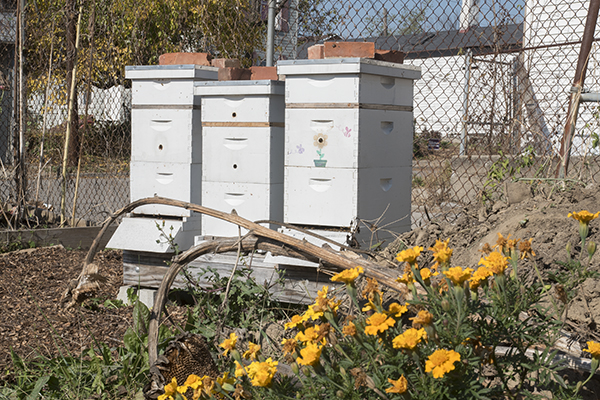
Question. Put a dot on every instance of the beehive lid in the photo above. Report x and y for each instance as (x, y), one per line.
(236, 88)
(187, 71)
(347, 66)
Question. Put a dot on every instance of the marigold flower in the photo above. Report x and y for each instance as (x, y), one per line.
(170, 389)
(458, 276)
(289, 345)
(396, 310)
(295, 321)
(525, 248)
(225, 379)
(310, 355)
(593, 349)
(495, 262)
(486, 249)
(398, 386)
(371, 288)
(193, 381)
(239, 370)
(423, 317)
(252, 353)
(409, 255)
(378, 322)
(408, 278)
(409, 339)
(441, 253)
(348, 276)
(350, 329)
(479, 276)
(370, 306)
(229, 344)
(441, 362)
(502, 243)
(309, 335)
(584, 217)
(426, 274)
(261, 373)
(241, 393)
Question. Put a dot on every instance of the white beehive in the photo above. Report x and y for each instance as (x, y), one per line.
(348, 145)
(243, 147)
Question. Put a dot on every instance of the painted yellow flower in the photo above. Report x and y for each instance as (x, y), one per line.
(310, 355)
(261, 373)
(252, 353)
(593, 349)
(584, 217)
(378, 322)
(525, 248)
(289, 346)
(229, 344)
(398, 386)
(423, 318)
(409, 255)
(396, 310)
(441, 362)
(495, 262)
(409, 339)
(350, 329)
(479, 276)
(458, 276)
(348, 276)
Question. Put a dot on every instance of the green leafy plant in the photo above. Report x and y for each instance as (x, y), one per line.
(506, 168)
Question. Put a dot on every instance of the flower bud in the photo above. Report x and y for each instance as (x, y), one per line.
(591, 248)
(445, 305)
(340, 394)
(295, 368)
(569, 249)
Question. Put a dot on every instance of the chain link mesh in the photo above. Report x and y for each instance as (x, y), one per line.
(491, 103)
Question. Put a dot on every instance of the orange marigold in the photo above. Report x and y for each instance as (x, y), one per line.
(441, 362)
(495, 262)
(378, 322)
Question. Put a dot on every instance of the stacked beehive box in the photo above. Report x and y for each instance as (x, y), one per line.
(348, 148)
(243, 136)
(166, 155)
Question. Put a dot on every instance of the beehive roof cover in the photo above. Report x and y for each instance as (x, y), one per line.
(348, 66)
(183, 71)
(229, 88)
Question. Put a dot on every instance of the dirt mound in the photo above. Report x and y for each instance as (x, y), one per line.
(531, 211)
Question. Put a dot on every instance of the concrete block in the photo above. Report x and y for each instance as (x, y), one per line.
(185, 58)
(316, 52)
(394, 56)
(234, 74)
(226, 63)
(349, 49)
(260, 73)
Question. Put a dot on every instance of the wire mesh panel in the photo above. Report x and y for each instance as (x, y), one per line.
(491, 103)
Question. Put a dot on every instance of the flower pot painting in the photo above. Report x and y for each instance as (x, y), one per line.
(320, 141)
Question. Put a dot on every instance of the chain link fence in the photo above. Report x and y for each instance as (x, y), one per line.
(491, 104)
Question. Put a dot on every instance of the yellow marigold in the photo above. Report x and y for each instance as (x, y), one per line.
(396, 310)
(193, 381)
(512, 243)
(441, 362)
(309, 335)
(441, 253)
(229, 344)
(261, 373)
(495, 262)
(458, 276)
(479, 276)
(295, 321)
(593, 349)
(525, 248)
(348, 276)
(225, 379)
(170, 390)
(378, 322)
(239, 370)
(310, 355)
(408, 278)
(370, 306)
(289, 345)
(584, 217)
(486, 249)
(409, 339)
(398, 386)
(409, 255)
(350, 329)
(322, 304)
(502, 242)
(426, 274)
(252, 353)
(423, 317)
(371, 288)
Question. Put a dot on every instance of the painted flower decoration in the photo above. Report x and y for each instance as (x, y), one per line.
(584, 217)
(398, 386)
(495, 262)
(409, 255)
(229, 344)
(310, 355)
(423, 318)
(378, 322)
(348, 276)
(252, 353)
(261, 373)
(593, 349)
(458, 275)
(320, 140)
(441, 362)
(409, 339)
